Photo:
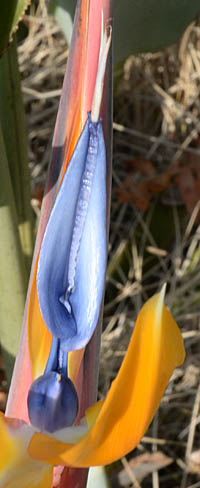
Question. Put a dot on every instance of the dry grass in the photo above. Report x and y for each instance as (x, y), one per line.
(157, 118)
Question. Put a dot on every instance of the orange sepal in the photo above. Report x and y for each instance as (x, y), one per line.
(39, 337)
(155, 349)
(74, 362)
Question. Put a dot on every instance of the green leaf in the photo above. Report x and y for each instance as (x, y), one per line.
(11, 12)
(13, 127)
(150, 25)
(63, 11)
(139, 25)
(12, 270)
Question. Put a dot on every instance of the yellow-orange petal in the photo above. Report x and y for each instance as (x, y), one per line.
(17, 469)
(39, 337)
(74, 363)
(8, 447)
(155, 349)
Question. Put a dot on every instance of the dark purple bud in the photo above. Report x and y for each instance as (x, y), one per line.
(52, 402)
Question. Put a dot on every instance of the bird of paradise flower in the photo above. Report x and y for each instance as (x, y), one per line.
(52, 418)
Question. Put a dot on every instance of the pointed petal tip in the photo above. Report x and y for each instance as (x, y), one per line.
(164, 327)
(163, 292)
(160, 304)
(166, 317)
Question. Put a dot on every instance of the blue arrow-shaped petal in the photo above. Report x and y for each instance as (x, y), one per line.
(72, 262)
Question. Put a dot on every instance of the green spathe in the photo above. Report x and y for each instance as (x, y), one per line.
(139, 25)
